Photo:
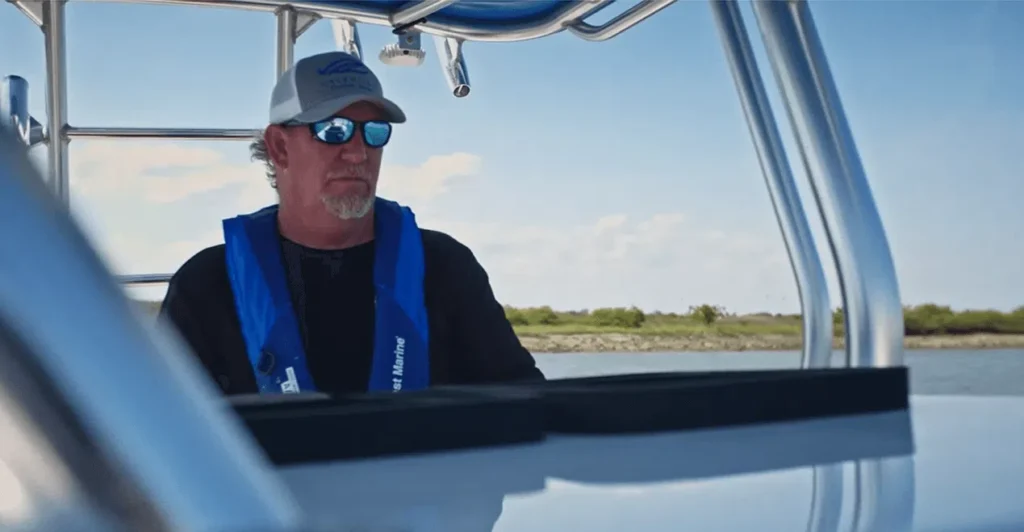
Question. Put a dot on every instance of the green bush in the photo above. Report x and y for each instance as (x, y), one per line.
(515, 316)
(707, 314)
(631, 317)
(930, 319)
(540, 316)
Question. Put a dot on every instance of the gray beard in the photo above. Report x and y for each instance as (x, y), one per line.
(348, 207)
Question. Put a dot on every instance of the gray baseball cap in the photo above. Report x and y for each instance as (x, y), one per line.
(318, 86)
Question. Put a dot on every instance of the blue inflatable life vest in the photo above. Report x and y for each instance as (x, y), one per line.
(269, 324)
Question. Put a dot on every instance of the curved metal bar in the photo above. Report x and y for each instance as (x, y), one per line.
(884, 495)
(414, 11)
(826, 498)
(373, 13)
(867, 275)
(620, 23)
(191, 459)
(789, 212)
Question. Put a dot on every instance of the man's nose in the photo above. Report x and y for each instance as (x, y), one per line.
(355, 150)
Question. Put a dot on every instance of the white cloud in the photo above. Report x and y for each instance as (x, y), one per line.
(143, 203)
(154, 172)
(149, 206)
(660, 261)
(428, 180)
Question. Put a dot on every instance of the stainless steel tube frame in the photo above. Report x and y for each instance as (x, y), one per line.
(56, 98)
(287, 21)
(623, 21)
(346, 37)
(867, 275)
(414, 11)
(72, 132)
(796, 232)
(373, 13)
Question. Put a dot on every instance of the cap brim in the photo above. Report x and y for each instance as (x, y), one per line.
(392, 112)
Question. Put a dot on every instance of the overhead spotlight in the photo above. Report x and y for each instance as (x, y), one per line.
(346, 37)
(453, 65)
(407, 52)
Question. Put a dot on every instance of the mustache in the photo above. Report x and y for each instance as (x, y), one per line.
(350, 172)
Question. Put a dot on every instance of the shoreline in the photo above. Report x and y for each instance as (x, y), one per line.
(643, 343)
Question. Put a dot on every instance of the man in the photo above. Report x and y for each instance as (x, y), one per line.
(334, 289)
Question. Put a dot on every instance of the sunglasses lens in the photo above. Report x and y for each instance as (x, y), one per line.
(335, 130)
(376, 134)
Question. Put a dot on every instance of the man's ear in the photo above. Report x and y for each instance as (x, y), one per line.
(276, 139)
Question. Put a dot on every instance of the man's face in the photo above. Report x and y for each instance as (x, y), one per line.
(321, 180)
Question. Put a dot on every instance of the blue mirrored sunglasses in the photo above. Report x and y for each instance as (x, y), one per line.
(338, 130)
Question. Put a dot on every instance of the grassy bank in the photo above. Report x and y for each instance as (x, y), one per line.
(556, 342)
(713, 328)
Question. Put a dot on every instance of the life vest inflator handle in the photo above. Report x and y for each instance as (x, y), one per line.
(266, 362)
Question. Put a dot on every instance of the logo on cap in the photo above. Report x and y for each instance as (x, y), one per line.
(344, 65)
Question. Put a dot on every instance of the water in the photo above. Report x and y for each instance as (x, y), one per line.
(932, 372)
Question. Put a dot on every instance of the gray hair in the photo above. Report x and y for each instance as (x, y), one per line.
(258, 152)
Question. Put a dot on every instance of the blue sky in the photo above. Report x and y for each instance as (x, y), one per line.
(581, 174)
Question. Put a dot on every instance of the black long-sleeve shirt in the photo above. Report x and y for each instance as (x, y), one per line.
(471, 341)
